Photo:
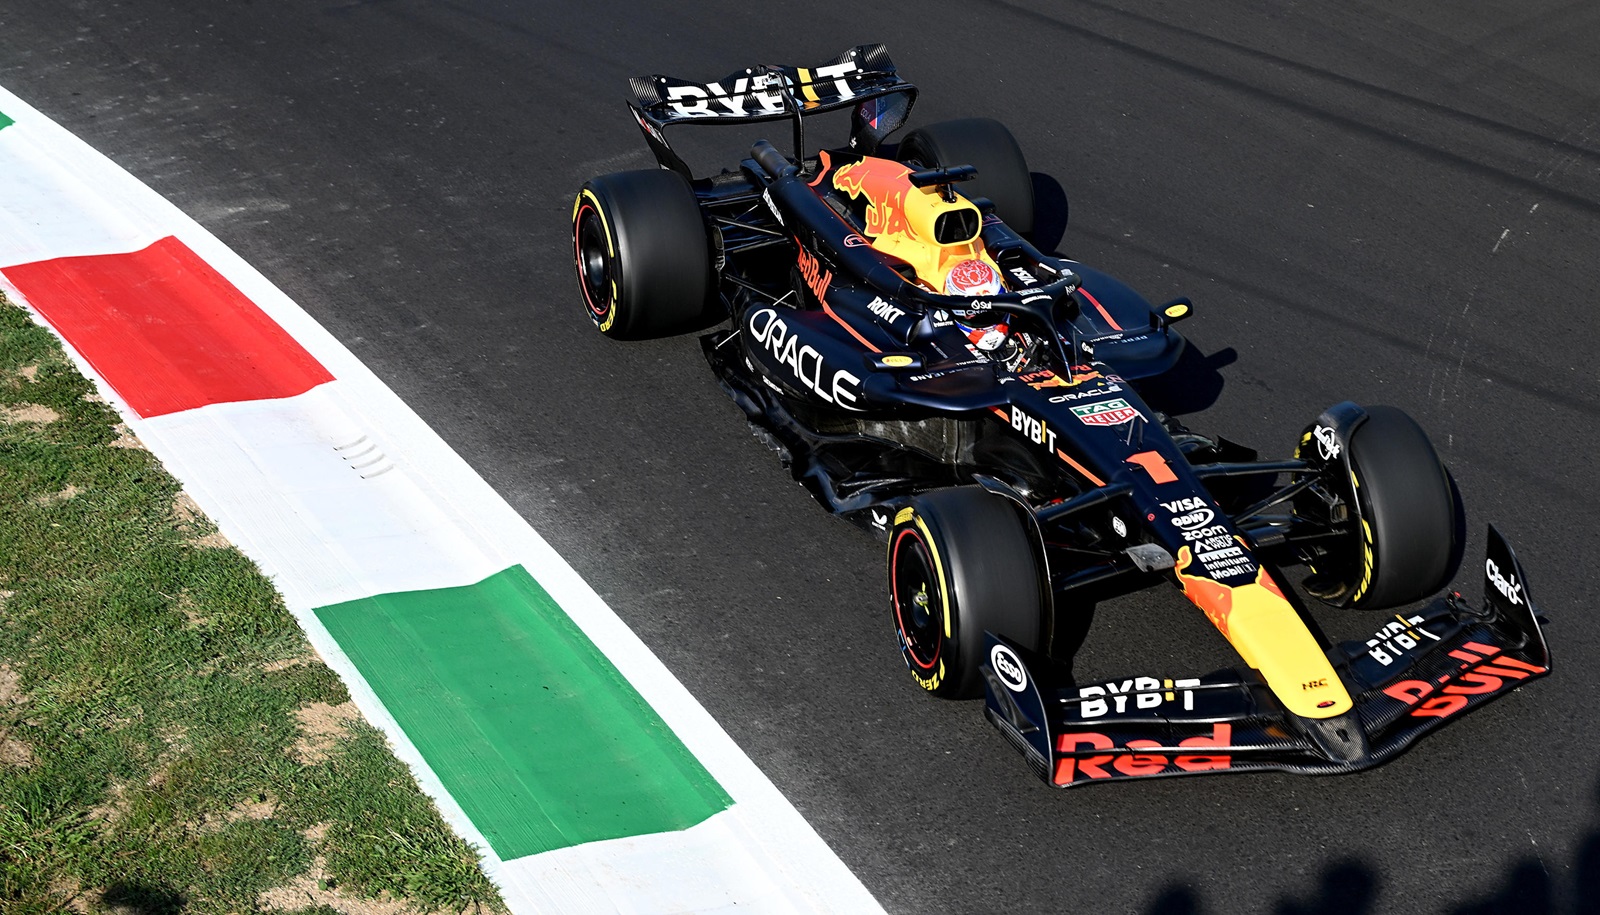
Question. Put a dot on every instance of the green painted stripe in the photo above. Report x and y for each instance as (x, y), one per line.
(530, 728)
(5, 121)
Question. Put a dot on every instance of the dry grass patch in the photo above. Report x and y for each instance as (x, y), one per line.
(190, 608)
(14, 753)
(315, 888)
(28, 413)
(70, 895)
(10, 681)
(192, 522)
(263, 807)
(321, 727)
(299, 660)
(66, 495)
(115, 807)
(125, 438)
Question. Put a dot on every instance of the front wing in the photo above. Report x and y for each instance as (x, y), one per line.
(1418, 672)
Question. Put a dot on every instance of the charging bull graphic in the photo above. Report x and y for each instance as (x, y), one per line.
(883, 182)
(1268, 634)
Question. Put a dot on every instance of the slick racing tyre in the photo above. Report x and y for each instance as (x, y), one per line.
(960, 562)
(643, 260)
(988, 146)
(1408, 541)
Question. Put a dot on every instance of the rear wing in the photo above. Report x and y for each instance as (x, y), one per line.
(863, 77)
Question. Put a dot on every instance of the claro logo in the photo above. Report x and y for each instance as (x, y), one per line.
(1505, 584)
(803, 361)
(1008, 668)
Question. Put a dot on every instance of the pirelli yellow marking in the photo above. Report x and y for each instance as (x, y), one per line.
(938, 570)
(904, 515)
(604, 223)
(1366, 560)
(611, 251)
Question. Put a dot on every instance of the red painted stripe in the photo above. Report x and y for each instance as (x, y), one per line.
(846, 325)
(165, 330)
(1100, 308)
(1006, 418)
(1079, 468)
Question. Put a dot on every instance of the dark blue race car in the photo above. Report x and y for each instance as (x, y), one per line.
(929, 374)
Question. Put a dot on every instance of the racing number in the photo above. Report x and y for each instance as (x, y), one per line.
(1155, 465)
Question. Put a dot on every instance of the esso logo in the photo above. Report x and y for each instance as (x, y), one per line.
(1008, 668)
(1200, 517)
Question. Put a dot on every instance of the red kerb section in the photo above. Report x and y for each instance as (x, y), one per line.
(166, 330)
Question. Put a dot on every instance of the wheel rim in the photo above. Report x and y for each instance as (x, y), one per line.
(593, 262)
(919, 605)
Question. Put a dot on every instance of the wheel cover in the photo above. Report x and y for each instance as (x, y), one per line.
(919, 600)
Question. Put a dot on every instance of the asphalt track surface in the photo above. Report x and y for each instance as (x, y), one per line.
(1387, 202)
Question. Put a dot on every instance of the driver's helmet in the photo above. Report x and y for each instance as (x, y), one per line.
(973, 279)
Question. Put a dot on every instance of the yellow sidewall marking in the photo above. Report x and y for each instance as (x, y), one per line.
(938, 568)
(604, 223)
(611, 252)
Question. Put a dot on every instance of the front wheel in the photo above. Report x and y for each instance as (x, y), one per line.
(1408, 544)
(961, 562)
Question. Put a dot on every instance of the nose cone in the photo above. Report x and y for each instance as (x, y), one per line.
(1269, 635)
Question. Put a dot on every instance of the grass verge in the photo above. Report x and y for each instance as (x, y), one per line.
(169, 742)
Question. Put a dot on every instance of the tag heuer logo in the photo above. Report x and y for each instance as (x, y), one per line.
(1106, 413)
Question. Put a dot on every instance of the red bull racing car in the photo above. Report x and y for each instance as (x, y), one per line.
(929, 374)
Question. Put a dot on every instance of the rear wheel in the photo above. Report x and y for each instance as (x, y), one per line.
(642, 256)
(988, 146)
(1408, 546)
(960, 562)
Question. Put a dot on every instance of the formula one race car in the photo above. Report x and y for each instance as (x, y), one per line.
(931, 376)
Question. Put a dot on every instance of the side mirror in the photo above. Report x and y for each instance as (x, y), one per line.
(1174, 311)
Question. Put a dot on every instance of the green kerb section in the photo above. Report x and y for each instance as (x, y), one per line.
(5, 121)
(530, 728)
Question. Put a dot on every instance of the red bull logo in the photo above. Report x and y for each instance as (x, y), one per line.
(1214, 597)
(884, 184)
(816, 278)
(1112, 764)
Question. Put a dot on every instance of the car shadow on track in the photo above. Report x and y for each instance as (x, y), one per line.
(1532, 885)
(1192, 385)
(1050, 212)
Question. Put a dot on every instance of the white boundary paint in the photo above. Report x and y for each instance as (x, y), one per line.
(270, 475)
